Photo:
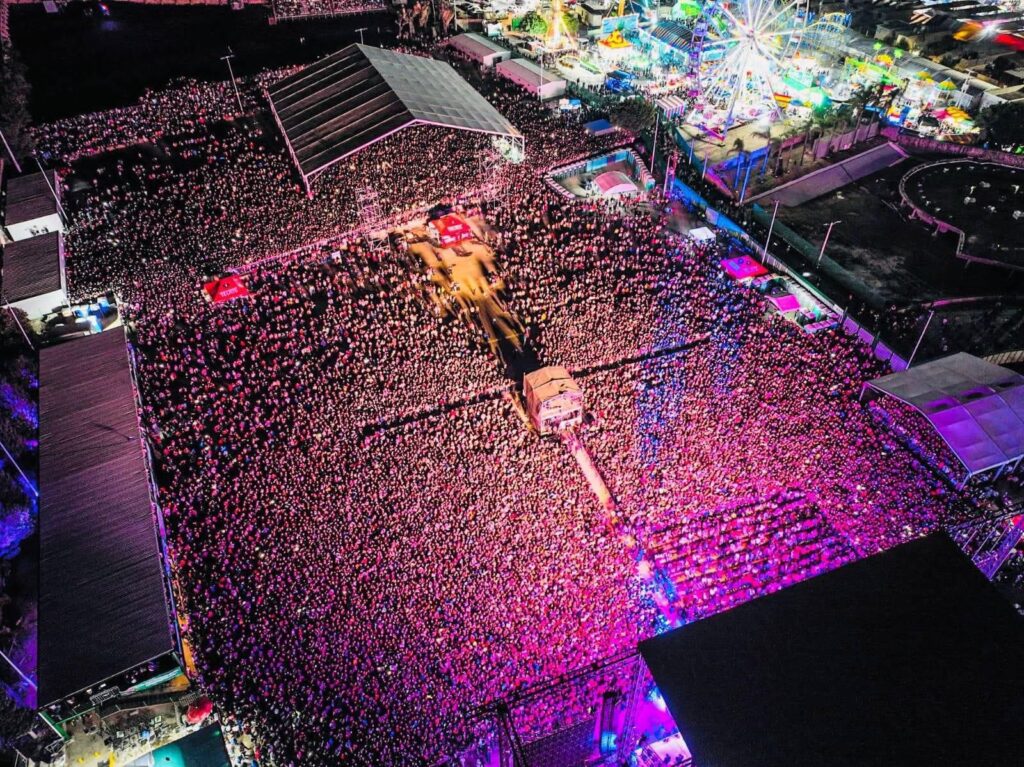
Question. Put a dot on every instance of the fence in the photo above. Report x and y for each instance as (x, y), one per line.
(879, 348)
(922, 144)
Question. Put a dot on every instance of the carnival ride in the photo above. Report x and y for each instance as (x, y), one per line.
(737, 55)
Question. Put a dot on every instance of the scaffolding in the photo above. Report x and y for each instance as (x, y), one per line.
(504, 720)
(372, 223)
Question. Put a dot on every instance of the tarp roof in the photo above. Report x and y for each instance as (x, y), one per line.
(549, 382)
(28, 198)
(976, 407)
(906, 658)
(359, 95)
(31, 267)
(102, 609)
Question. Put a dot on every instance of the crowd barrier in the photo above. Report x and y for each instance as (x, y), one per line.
(879, 348)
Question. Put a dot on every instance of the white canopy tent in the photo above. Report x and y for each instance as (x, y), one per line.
(538, 81)
(977, 408)
(479, 49)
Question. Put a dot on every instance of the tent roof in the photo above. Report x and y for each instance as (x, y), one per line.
(477, 46)
(613, 182)
(977, 407)
(102, 607)
(525, 72)
(31, 267)
(906, 658)
(359, 95)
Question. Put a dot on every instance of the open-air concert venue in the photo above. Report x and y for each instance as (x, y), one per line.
(366, 402)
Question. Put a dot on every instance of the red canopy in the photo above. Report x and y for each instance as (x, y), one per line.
(451, 229)
(199, 710)
(743, 268)
(226, 289)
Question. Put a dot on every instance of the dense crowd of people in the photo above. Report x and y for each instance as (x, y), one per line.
(298, 9)
(364, 546)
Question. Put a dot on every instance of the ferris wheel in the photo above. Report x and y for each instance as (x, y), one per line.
(738, 52)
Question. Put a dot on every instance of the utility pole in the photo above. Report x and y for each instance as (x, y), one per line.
(771, 226)
(931, 313)
(53, 191)
(823, 244)
(360, 31)
(231, 71)
(16, 466)
(20, 326)
(9, 152)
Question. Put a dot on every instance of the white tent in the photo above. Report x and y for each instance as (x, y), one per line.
(975, 406)
(540, 82)
(702, 234)
(613, 183)
(479, 49)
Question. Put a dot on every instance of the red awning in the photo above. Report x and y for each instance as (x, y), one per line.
(226, 289)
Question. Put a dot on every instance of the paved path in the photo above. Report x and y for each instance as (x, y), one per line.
(832, 177)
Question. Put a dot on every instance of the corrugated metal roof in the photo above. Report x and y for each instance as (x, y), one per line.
(28, 198)
(31, 267)
(361, 94)
(102, 607)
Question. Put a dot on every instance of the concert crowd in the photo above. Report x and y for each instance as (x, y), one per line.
(366, 539)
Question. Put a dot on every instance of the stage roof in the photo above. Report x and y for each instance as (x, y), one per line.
(905, 658)
(550, 382)
(359, 95)
(976, 407)
(102, 608)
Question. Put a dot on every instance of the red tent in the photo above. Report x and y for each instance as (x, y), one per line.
(199, 710)
(743, 268)
(226, 289)
(451, 229)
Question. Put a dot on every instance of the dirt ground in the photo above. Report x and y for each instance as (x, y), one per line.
(896, 267)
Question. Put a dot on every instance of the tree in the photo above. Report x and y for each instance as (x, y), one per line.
(1003, 124)
(572, 23)
(532, 23)
(635, 115)
(14, 93)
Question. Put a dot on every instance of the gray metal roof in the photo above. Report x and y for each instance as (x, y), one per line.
(31, 267)
(977, 407)
(361, 94)
(102, 607)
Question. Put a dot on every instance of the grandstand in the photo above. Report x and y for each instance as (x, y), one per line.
(292, 10)
(703, 578)
(360, 95)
